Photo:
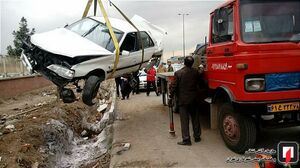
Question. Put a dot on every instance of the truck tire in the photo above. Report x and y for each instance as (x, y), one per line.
(90, 89)
(237, 131)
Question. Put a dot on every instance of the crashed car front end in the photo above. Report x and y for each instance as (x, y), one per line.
(55, 67)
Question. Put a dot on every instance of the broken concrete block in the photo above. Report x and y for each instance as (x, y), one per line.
(10, 127)
(102, 107)
(126, 146)
(84, 133)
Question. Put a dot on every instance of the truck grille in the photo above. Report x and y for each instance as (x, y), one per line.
(282, 81)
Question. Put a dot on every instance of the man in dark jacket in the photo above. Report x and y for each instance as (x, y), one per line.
(185, 87)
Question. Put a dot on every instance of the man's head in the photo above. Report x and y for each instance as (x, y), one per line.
(188, 61)
(169, 63)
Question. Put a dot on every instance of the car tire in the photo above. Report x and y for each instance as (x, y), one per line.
(237, 131)
(90, 89)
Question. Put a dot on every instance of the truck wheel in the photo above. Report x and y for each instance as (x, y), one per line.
(237, 131)
(90, 89)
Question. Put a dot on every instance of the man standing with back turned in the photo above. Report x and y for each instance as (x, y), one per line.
(185, 87)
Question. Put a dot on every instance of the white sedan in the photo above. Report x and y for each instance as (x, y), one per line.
(84, 50)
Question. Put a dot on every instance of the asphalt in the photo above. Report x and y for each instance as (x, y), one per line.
(144, 123)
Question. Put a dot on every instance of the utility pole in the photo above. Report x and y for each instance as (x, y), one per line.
(183, 32)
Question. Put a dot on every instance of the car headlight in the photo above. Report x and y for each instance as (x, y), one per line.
(255, 84)
(62, 71)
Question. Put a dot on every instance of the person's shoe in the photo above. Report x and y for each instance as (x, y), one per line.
(197, 139)
(185, 142)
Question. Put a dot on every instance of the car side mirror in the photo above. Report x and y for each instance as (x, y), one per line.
(125, 53)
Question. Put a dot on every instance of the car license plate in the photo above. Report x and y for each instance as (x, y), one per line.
(283, 107)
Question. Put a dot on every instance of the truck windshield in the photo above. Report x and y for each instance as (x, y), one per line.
(96, 32)
(270, 21)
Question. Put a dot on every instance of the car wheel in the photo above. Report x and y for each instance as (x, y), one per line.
(237, 131)
(90, 89)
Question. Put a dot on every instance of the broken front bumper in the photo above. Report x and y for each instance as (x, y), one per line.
(58, 74)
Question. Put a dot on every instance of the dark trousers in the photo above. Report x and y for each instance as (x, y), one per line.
(185, 112)
(159, 85)
(149, 84)
(118, 81)
(136, 89)
(125, 89)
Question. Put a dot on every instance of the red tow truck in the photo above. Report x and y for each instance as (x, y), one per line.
(252, 67)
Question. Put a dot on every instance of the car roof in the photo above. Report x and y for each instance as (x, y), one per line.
(118, 24)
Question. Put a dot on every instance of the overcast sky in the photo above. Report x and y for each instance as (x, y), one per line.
(45, 15)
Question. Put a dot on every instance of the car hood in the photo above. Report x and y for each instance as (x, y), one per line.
(62, 41)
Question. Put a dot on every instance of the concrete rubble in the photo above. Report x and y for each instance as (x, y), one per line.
(93, 144)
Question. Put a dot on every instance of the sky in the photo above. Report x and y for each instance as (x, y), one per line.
(45, 15)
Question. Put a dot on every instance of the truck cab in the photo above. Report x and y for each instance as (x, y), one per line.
(253, 68)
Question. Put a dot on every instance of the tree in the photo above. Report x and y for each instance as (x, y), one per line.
(22, 34)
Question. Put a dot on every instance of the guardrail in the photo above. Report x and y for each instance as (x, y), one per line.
(11, 67)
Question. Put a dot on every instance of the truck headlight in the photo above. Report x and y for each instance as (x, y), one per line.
(62, 71)
(255, 84)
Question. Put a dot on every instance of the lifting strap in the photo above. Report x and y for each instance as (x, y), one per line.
(87, 8)
(111, 32)
(138, 31)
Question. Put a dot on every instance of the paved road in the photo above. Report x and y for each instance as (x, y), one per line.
(143, 122)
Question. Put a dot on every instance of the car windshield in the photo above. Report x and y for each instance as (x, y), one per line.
(270, 21)
(96, 32)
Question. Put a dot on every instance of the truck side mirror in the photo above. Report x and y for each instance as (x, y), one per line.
(125, 53)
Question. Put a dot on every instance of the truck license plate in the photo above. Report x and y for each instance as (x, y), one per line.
(283, 107)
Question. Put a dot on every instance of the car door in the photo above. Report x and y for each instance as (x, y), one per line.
(149, 48)
(129, 52)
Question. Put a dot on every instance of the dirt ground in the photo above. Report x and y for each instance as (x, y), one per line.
(144, 123)
(24, 145)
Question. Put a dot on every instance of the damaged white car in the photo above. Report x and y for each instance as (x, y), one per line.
(85, 50)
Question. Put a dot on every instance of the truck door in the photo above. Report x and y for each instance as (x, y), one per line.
(222, 35)
(220, 50)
